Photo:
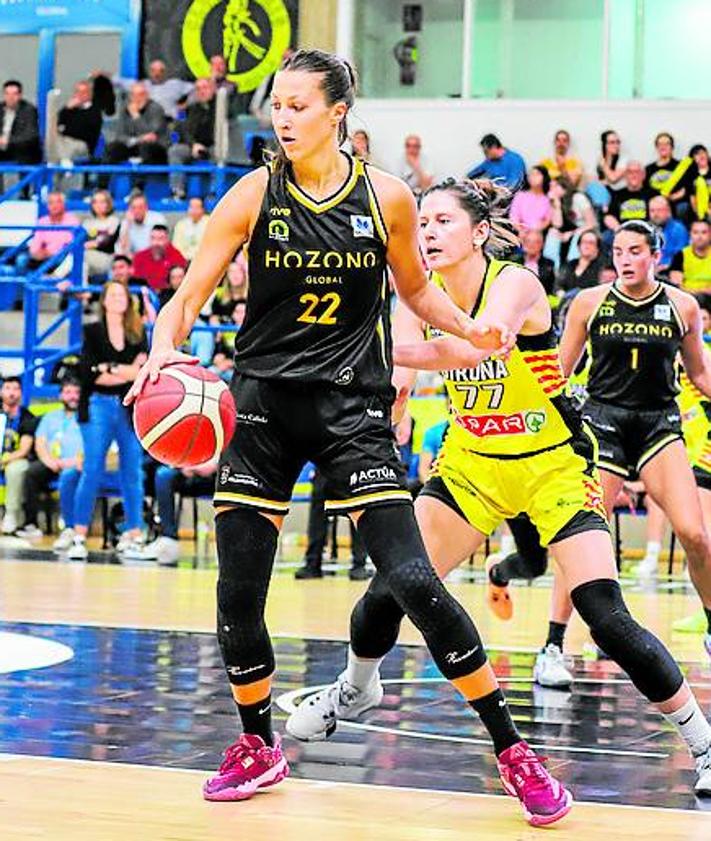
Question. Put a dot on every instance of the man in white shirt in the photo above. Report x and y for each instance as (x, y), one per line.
(191, 228)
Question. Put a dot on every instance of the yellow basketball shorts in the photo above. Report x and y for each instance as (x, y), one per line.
(556, 488)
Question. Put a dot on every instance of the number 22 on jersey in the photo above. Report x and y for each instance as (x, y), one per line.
(314, 313)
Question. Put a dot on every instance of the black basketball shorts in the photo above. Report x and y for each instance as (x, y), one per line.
(281, 426)
(627, 438)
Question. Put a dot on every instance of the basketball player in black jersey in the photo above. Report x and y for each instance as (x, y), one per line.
(635, 327)
(313, 368)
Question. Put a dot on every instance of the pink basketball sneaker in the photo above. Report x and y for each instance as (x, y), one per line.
(523, 774)
(249, 764)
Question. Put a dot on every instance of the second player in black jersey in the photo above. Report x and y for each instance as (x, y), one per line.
(312, 383)
(635, 328)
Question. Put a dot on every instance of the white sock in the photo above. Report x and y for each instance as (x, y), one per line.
(692, 726)
(360, 672)
(653, 550)
(508, 544)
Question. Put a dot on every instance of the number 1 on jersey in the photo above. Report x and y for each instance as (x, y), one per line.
(634, 362)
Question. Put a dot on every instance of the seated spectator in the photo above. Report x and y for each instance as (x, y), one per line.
(58, 446)
(696, 182)
(414, 168)
(563, 164)
(193, 482)
(135, 230)
(19, 127)
(102, 229)
(675, 234)
(198, 134)
(141, 130)
(234, 288)
(531, 207)
(45, 244)
(571, 214)
(223, 366)
(611, 166)
(431, 445)
(226, 340)
(360, 144)
(168, 93)
(532, 258)
(630, 201)
(17, 425)
(691, 267)
(113, 350)
(661, 169)
(502, 165)
(218, 74)
(189, 230)
(153, 264)
(122, 272)
(79, 122)
(583, 272)
(176, 275)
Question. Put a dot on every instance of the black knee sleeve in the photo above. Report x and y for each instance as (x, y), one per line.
(532, 558)
(375, 621)
(650, 666)
(246, 544)
(393, 540)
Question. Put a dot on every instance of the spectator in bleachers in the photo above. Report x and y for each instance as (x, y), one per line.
(583, 272)
(532, 258)
(661, 169)
(691, 267)
(198, 134)
(168, 93)
(360, 144)
(19, 127)
(58, 446)
(611, 165)
(223, 365)
(176, 275)
(17, 426)
(431, 445)
(531, 207)
(572, 213)
(45, 244)
(675, 234)
(139, 221)
(191, 482)
(141, 130)
(113, 350)
(121, 269)
(563, 164)
(153, 264)
(414, 168)
(630, 201)
(234, 288)
(500, 164)
(696, 182)
(102, 228)
(218, 74)
(189, 230)
(79, 122)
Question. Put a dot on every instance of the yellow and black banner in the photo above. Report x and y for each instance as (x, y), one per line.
(251, 35)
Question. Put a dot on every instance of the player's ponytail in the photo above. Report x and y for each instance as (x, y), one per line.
(338, 83)
(483, 199)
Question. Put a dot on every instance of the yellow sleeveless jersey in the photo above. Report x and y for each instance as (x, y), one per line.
(509, 408)
(694, 408)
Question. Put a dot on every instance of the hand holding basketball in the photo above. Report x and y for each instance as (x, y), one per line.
(150, 369)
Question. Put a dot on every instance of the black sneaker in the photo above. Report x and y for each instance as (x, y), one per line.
(308, 571)
(360, 573)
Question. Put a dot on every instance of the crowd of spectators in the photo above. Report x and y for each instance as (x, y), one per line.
(565, 216)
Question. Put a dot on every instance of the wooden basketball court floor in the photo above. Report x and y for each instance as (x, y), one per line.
(113, 708)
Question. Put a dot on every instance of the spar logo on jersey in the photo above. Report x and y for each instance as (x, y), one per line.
(373, 474)
(362, 226)
(279, 230)
(518, 423)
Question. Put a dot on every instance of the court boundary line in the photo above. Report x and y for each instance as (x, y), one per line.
(12, 757)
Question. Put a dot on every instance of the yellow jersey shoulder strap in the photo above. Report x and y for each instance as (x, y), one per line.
(493, 270)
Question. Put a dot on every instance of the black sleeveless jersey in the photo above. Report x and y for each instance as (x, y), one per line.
(318, 303)
(634, 345)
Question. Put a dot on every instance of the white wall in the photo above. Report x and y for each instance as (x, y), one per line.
(451, 129)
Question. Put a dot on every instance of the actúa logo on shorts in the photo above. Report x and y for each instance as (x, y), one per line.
(373, 474)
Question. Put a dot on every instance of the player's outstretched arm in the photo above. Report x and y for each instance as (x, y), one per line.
(228, 228)
(696, 362)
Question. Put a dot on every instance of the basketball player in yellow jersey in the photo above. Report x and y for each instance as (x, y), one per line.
(515, 444)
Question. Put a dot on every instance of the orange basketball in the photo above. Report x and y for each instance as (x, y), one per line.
(186, 417)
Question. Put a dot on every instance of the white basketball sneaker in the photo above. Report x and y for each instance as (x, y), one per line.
(703, 772)
(316, 716)
(550, 669)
